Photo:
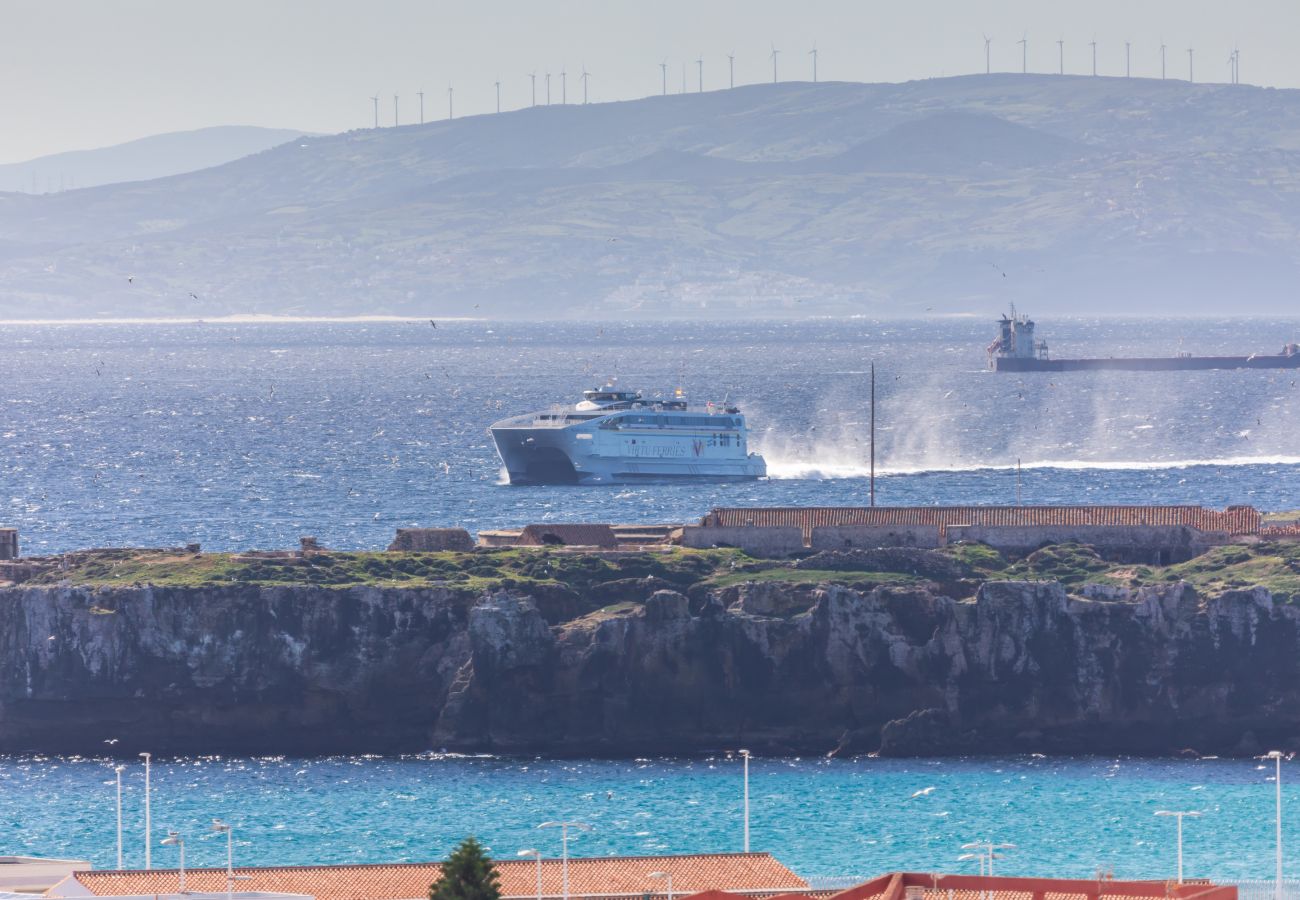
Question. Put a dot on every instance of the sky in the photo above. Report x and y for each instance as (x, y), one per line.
(79, 74)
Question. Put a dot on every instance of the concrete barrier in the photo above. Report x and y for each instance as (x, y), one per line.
(849, 537)
(765, 542)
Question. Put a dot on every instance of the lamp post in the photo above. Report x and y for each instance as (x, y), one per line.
(745, 756)
(969, 856)
(148, 825)
(119, 770)
(219, 827)
(564, 842)
(1179, 816)
(537, 855)
(174, 837)
(1276, 756)
(667, 876)
(988, 850)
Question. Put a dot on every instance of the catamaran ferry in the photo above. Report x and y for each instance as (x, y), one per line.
(614, 435)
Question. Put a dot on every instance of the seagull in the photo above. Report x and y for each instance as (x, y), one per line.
(433, 323)
(193, 296)
(923, 792)
(111, 741)
(130, 279)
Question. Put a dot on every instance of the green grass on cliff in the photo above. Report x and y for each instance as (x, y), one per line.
(615, 579)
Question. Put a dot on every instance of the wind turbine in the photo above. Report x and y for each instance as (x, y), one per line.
(988, 68)
(1128, 59)
(774, 55)
(498, 84)
(1060, 48)
(375, 100)
(1024, 54)
(1162, 60)
(700, 63)
(548, 88)
(564, 87)
(420, 94)
(813, 54)
(450, 109)
(1190, 70)
(394, 110)
(731, 69)
(663, 69)
(1093, 44)
(585, 75)
(533, 76)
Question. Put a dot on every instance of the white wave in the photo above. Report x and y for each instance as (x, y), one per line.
(836, 468)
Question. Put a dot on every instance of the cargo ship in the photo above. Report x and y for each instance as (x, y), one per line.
(1016, 349)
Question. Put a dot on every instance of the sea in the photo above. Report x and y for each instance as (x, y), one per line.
(240, 435)
(250, 434)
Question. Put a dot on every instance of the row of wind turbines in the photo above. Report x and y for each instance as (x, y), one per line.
(1234, 74)
(1234, 59)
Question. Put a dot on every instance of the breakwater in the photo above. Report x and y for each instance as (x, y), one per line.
(902, 651)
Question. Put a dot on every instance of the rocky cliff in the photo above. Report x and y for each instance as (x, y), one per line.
(796, 667)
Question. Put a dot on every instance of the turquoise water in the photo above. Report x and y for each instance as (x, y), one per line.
(822, 818)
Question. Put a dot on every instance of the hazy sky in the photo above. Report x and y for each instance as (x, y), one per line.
(77, 74)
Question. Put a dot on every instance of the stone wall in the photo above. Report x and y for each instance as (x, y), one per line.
(765, 542)
(1139, 544)
(850, 537)
(431, 540)
(8, 543)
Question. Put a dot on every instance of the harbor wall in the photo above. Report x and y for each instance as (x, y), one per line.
(846, 537)
(1154, 545)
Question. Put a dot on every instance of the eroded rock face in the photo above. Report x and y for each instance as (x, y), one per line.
(1019, 667)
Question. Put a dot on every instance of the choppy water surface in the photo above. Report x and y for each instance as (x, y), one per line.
(250, 435)
(1067, 817)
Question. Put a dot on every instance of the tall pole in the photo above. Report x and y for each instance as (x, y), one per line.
(1060, 49)
(814, 56)
(1094, 59)
(548, 88)
(745, 756)
(1024, 56)
(1017, 481)
(498, 84)
(533, 76)
(1162, 62)
(1191, 72)
(230, 861)
(539, 876)
(988, 66)
(564, 87)
(375, 100)
(118, 770)
(1128, 59)
(700, 63)
(148, 824)
(731, 70)
(395, 121)
(420, 94)
(564, 844)
(174, 837)
(873, 435)
(663, 70)
(1277, 783)
(774, 53)
(450, 109)
(1179, 816)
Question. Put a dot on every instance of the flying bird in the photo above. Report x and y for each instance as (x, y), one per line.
(923, 792)
(111, 741)
(433, 323)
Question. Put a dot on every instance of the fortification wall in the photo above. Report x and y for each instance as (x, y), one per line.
(1143, 544)
(765, 542)
(846, 537)
(8, 543)
(431, 540)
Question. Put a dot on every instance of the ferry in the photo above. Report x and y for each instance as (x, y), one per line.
(618, 436)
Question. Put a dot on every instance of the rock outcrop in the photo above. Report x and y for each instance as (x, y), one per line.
(1017, 667)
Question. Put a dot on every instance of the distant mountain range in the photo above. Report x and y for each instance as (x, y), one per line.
(141, 160)
(1060, 194)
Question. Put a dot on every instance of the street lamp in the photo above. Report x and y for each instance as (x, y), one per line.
(564, 841)
(969, 856)
(745, 755)
(148, 827)
(119, 770)
(667, 876)
(1179, 816)
(219, 827)
(988, 850)
(1276, 756)
(537, 855)
(174, 837)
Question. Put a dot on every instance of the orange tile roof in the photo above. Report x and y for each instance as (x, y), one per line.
(753, 874)
(931, 886)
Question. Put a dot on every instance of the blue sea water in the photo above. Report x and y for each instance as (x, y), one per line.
(251, 435)
(1067, 817)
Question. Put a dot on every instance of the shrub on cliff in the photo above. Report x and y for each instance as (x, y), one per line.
(467, 874)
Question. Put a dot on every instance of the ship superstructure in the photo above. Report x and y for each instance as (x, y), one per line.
(615, 435)
(1016, 349)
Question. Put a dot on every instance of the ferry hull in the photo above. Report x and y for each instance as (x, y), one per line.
(1148, 364)
(559, 456)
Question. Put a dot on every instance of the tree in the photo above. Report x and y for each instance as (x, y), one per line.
(468, 874)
